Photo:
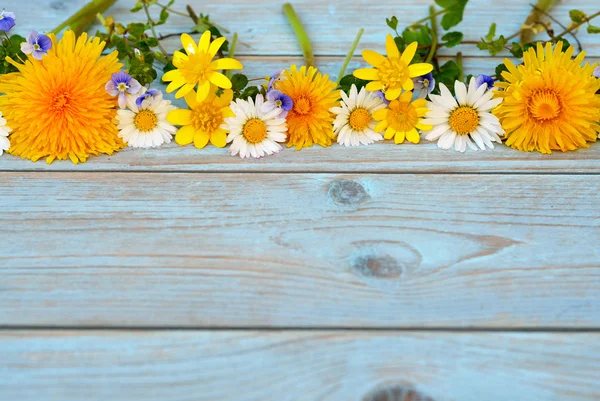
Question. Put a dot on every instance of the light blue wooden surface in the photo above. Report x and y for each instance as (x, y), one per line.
(347, 274)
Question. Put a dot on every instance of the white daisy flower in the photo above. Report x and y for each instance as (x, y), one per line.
(254, 131)
(460, 122)
(354, 124)
(144, 124)
(4, 131)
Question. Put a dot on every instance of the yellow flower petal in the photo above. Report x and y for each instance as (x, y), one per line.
(180, 117)
(409, 53)
(225, 98)
(380, 114)
(381, 126)
(389, 133)
(201, 138)
(190, 99)
(368, 74)
(391, 48)
(188, 44)
(185, 135)
(406, 97)
(185, 89)
(374, 86)
(204, 44)
(424, 127)
(173, 86)
(399, 137)
(373, 58)
(408, 85)
(392, 94)
(172, 75)
(226, 64)
(413, 136)
(419, 69)
(203, 91)
(220, 80)
(216, 45)
(219, 138)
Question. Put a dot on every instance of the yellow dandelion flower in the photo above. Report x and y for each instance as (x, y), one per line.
(402, 118)
(197, 67)
(394, 73)
(550, 101)
(58, 107)
(310, 120)
(202, 122)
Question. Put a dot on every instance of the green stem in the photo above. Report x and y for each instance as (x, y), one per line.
(303, 38)
(232, 48)
(350, 54)
(151, 23)
(85, 16)
(435, 14)
(434, 35)
(459, 62)
(575, 26)
(172, 11)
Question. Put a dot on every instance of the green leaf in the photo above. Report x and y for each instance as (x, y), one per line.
(392, 22)
(347, 82)
(454, 13)
(449, 72)
(164, 15)
(452, 38)
(593, 29)
(494, 47)
(516, 50)
(499, 69)
(577, 16)
(138, 6)
(136, 29)
(565, 43)
(239, 82)
(250, 91)
(491, 33)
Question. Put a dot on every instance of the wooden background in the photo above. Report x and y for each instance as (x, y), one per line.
(370, 274)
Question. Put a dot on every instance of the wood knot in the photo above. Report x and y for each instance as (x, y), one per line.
(58, 5)
(347, 193)
(396, 393)
(383, 266)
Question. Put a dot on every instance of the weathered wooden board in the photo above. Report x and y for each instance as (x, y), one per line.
(309, 250)
(331, 24)
(297, 365)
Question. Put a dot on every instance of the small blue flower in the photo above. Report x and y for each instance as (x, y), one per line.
(484, 79)
(276, 77)
(7, 21)
(425, 85)
(37, 45)
(151, 93)
(121, 84)
(381, 95)
(597, 72)
(279, 100)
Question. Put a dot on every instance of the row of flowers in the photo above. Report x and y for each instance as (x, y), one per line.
(68, 101)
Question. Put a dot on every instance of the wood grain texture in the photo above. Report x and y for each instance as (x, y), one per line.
(292, 365)
(331, 24)
(310, 250)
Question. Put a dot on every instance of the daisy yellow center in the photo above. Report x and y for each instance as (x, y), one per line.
(544, 105)
(197, 68)
(402, 116)
(302, 105)
(464, 120)
(207, 117)
(360, 119)
(255, 130)
(145, 120)
(393, 72)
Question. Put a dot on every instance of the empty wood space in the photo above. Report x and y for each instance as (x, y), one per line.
(378, 273)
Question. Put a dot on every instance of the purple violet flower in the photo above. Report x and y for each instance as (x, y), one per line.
(425, 85)
(121, 84)
(381, 95)
(274, 79)
(7, 21)
(596, 72)
(278, 100)
(37, 45)
(150, 93)
(484, 79)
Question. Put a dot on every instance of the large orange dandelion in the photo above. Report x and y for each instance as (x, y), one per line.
(310, 120)
(58, 107)
(550, 101)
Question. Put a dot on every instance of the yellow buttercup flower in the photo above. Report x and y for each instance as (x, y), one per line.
(197, 67)
(310, 120)
(58, 107)
(394, 73)
(402, 118)
(550, 101)
(202, 122)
